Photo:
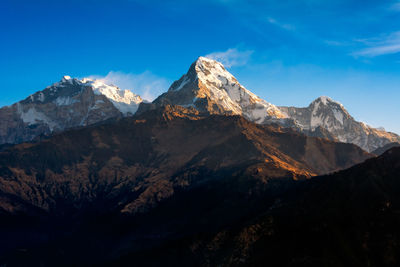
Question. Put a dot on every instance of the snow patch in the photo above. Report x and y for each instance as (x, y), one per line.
(327, 100)
(338, 115)
(32, 116)
(324, 99)
(66, 78)
(185, 81)
(315, 120)
(41, 97)
(65, 101)
(231, 95)
(124, 100)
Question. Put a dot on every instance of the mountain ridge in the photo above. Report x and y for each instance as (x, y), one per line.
(111, 182)
(207, 86)
(158, 145)
(349, 218)
(65, 104)
(210, 88)
(329, 114)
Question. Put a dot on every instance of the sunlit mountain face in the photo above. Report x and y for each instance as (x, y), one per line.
(66, 104)
(207, 87)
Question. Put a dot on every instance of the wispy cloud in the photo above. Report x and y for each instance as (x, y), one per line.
(335, 43)
(232, 57)
(284, 26)
(379, 50)
(395, 6)
(146, 84)
(389, 44)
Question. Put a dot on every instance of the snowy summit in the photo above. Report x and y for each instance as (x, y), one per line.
(209, 87)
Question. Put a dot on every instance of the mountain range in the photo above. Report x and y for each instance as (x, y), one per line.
(210, 88)
(208, 174)
(131, 167)
(171, 186)
(66, 104)
(207, 87)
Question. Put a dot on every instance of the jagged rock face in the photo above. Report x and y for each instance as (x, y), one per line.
(66, 104)
(340, 125)
(210, 88)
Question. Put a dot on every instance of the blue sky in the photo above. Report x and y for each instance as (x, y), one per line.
(287, 52)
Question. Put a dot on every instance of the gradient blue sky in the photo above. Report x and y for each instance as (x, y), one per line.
(287, 52)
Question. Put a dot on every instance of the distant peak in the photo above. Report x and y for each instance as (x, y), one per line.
(208, 63)
(66, 78)
(206, 59)
(206, 66)
(326, 100)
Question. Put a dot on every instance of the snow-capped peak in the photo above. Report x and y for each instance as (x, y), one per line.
(203, 63)
(66, 78)
(327, 113)
(206, 66)
(124, 100)
(326, 100)
(208, 79)
(65, 81)
(328, 103)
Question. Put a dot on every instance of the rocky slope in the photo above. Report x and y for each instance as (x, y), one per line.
(349, 218)
(98, 182)
(65, 104)
(161, 145)
(385, 148)
(332, 116)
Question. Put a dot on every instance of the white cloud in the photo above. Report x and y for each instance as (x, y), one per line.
(379, 50)
(145, 84)
(389, 44)
(232, 57)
